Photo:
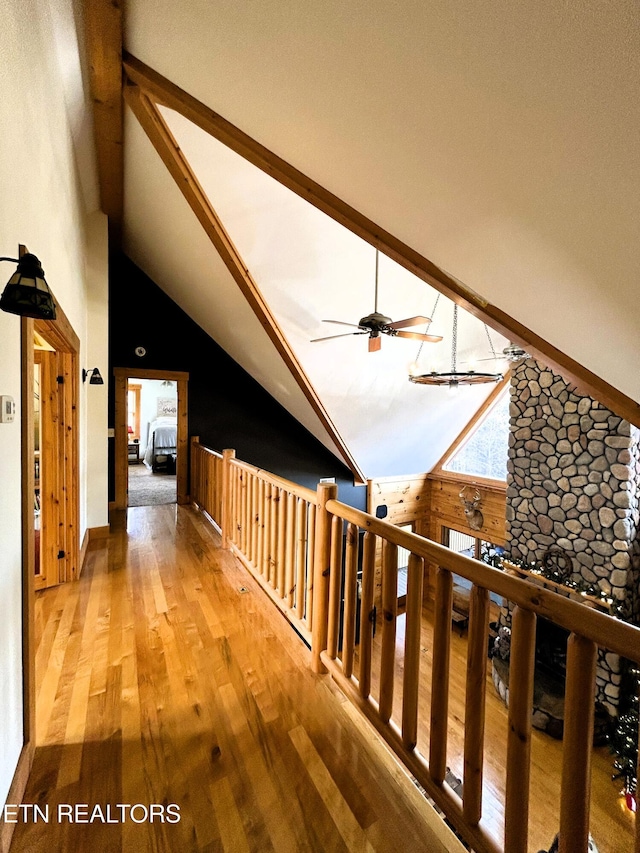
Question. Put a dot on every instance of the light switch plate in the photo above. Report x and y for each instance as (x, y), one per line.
(7, 409)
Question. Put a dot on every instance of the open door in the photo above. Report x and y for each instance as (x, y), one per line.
(55, 467)
(122, 376)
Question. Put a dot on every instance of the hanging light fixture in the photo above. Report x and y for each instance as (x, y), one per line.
(454, 378)
(27, 293)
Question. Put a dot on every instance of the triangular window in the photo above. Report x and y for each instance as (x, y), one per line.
(484, 451)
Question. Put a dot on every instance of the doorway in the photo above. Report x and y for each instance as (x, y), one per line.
(54, 431)
(152, 409)
(151, 435)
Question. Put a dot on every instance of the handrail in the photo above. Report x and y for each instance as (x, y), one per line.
(294, 542)
(303, 492)
(613, 634)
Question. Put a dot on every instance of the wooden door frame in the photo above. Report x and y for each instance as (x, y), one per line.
(122, 375)
(60, 334)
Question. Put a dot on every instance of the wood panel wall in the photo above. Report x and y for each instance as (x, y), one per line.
(431, 502)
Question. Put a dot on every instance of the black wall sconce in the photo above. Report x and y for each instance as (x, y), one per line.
(27, 293)
(94, 376)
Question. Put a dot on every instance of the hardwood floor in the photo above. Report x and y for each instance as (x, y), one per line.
(165, 676)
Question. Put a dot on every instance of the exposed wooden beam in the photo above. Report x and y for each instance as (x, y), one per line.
(163, 141)
(165, 92)
(103, 30)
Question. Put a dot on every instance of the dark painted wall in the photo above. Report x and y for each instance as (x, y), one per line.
(227, 408)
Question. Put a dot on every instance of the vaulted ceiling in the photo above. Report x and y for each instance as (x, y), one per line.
(492, 150)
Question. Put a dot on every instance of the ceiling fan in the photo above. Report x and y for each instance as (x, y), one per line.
(512, 353)
(376, 324)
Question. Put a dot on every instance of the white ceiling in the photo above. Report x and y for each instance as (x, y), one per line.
(499, 140)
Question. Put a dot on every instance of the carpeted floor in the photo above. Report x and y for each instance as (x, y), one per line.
(147, 489)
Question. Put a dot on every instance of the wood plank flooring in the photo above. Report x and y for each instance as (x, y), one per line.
(165, 676)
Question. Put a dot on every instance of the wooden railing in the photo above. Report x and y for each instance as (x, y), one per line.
(268, 522)
(293, 540)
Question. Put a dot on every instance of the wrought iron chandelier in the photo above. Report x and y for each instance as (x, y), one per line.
(454, 378)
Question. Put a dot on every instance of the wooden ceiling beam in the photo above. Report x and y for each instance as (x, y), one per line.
(163, 91)
(152, 122)
(104, 36)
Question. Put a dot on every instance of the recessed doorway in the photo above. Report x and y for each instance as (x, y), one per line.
(151, 436)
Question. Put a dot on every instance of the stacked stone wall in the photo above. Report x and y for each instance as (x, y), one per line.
(574, 482)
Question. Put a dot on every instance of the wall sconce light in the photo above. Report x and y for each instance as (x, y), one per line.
(94, 376)
(27, 293)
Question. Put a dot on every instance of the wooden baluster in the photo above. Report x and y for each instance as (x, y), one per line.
(412, 646)
(309, 551)
(213, 484)
(440, 676)
(521, 666)
(366, 612)
(475, 703)
(266, 553)
(233, 521)
(283, 518)
(275, 511)
(350, 582)
(255, 531)
(389, 619)
(301, 556)
(271, 535)
(335, 578)
(262, 500)
(321, 558)
(290, 549)
(245, 514)
(579, 706)
(227, 497)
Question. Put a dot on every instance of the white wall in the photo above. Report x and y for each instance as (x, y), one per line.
(44, 206)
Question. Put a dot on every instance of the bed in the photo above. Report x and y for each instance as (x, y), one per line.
(161, 444)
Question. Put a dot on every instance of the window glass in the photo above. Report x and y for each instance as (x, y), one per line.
(484, 454)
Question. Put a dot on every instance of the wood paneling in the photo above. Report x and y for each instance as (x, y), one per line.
(165, 92)
(447, 509)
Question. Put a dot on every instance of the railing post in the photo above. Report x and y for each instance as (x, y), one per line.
(321, 561)
(227, 510)
(195, 439)
(578, 738)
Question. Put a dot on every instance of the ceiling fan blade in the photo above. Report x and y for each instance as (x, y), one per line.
(375, 344)
(410, 321)
(417, 336)
(340, 323)
(331, 337)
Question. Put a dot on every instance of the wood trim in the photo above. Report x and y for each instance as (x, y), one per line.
(136, 389)
(122, 376)
(144, 373)
(120, 441)
(468, 430)
(28, 533)
(16, 790)
(182, 439)
(104, 35)
(59, 333)
(165, 92)
(162, 139)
